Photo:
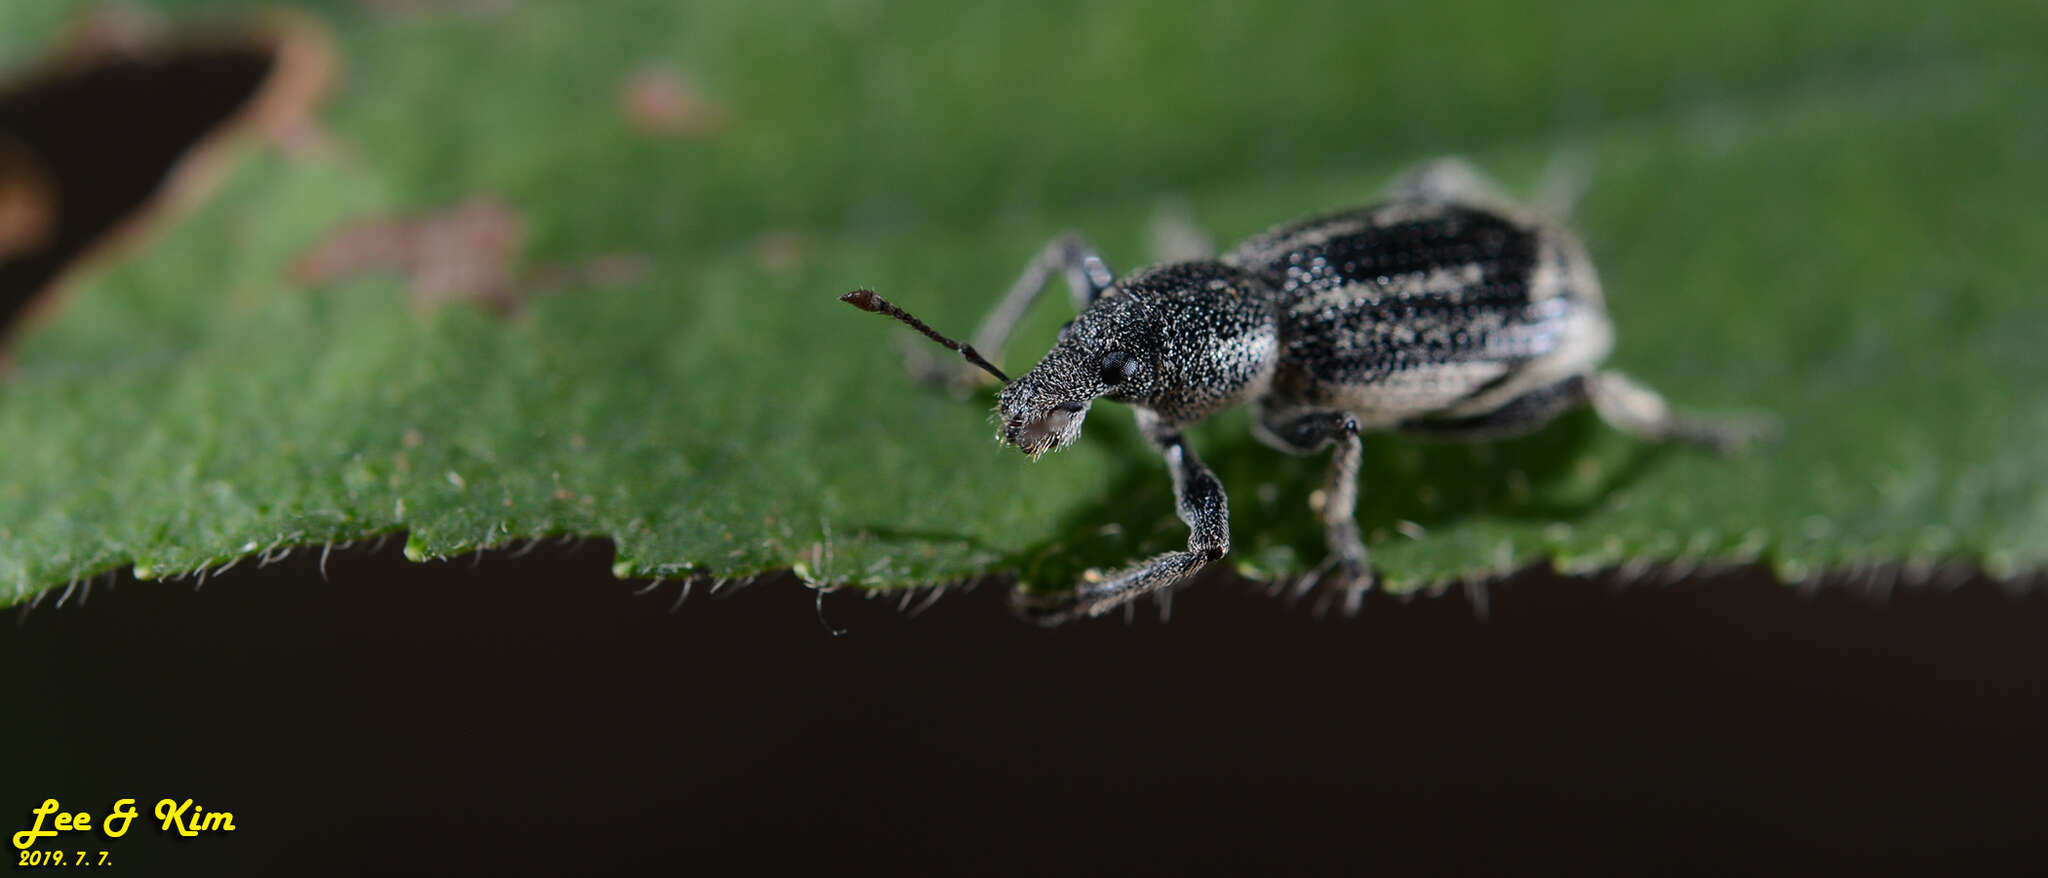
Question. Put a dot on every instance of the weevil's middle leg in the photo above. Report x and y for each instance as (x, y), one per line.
(1520, 416)
(1346, 567)
(1198, 497)
(1563, 185)
(1636, 409)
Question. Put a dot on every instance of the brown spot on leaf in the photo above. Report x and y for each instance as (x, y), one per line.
(469, 251)
(430, 8)
(604, 271)
(663, 101)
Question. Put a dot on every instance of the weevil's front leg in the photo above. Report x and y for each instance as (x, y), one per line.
(1198, 497)
(1070, 256)
(1633, 408)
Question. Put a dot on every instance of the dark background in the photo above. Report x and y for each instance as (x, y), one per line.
(534, 715)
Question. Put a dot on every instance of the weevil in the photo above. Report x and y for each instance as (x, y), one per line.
(1444, 310)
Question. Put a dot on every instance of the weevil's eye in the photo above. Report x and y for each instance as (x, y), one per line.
(1066, 328)
(1118, 367)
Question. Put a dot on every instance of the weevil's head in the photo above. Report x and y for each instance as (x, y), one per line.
(1182, 340)
(1109, 350)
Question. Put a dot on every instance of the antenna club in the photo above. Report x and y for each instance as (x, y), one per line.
(864, 299)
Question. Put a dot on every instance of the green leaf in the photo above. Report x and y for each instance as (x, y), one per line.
(1828, 210)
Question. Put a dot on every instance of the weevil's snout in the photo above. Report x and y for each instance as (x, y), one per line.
(1038, 422)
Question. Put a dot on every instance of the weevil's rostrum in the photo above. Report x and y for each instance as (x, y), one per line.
(1446, 311)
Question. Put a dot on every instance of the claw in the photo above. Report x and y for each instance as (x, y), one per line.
(1045, 608)
(1337, 575)
(1730, 435)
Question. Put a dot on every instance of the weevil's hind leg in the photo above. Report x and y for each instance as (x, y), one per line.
(1448, 179)
(1636, 409)
(1198, 497)
(1520, 416)
(1070, 256)
(1563, 185)
(1175, 236)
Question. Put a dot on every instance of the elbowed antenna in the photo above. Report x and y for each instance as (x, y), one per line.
(866, 300)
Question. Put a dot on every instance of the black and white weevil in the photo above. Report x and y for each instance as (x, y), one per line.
(1445, 310)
